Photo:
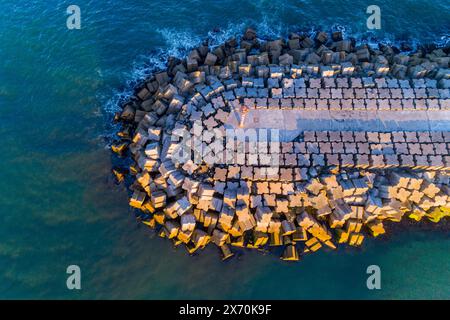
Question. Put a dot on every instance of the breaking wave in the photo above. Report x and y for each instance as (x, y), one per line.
(179, 42)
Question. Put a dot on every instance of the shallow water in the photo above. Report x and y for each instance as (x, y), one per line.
(59, 205)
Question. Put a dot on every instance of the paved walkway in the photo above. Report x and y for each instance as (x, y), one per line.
(292, 122)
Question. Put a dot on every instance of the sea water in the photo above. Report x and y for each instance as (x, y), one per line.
(59, 205)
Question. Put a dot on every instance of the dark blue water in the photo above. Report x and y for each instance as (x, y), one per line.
(59, 205)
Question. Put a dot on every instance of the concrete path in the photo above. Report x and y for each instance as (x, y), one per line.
(292, 122)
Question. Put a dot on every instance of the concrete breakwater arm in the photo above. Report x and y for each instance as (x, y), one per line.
(362, 137)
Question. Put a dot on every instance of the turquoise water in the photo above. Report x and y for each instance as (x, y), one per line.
(60, 206)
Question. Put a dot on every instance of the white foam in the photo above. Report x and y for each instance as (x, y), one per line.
(179, 42)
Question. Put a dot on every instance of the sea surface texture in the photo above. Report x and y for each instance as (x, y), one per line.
(59, 205)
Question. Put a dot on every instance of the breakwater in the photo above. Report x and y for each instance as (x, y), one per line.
(356, 136)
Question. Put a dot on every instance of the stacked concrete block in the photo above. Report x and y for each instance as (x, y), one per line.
(327, 186)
